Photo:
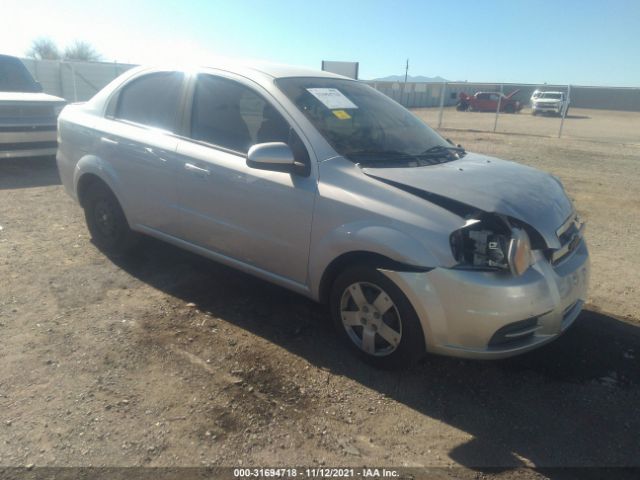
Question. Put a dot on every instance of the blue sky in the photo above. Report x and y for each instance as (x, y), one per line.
(584, 42)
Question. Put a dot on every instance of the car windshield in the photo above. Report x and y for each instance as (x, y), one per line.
(363, 124)
(554, 96)
(14, 76)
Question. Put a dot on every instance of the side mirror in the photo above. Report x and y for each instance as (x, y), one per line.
(276, 156)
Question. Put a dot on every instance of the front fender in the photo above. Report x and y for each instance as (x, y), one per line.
(369, 238)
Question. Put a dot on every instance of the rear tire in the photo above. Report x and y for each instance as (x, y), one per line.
(106, 221)
(375, 319)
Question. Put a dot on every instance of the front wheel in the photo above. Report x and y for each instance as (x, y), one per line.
(376, 319)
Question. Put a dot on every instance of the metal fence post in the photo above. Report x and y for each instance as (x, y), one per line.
(60, 80)
(564, 110)
(36, 72)
(444, 87)
(495, 124)
(75, 85)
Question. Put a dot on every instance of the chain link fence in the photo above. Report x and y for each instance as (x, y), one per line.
(606, 114)
(74, 81)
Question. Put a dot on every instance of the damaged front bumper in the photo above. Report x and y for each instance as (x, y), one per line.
(493, 315)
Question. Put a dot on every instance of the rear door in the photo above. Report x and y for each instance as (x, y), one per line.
(137, 139)
(257, 217)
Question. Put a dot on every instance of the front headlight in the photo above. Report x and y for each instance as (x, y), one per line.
(519, 257)
(491, 243)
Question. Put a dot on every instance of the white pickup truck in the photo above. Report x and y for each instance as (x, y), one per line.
(549, 102)
(27, 116)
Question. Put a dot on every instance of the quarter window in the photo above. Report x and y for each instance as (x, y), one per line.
(233, 116)
(152, 100)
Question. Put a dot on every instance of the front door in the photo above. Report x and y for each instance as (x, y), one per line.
(258, 217)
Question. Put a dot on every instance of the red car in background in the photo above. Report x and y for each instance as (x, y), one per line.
(488, 102)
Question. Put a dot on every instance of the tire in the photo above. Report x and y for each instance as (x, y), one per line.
(106, 221)
(462, 106)
(510, 109)
(534, 113)
(364, 303)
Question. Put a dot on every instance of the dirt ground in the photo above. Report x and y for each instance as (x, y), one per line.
(580, 123)
(166, 359)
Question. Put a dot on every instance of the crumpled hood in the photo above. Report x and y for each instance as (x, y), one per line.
(492, 185)
(29, 97)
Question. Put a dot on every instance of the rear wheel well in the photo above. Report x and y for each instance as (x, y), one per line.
(86, 182)
(350, 259)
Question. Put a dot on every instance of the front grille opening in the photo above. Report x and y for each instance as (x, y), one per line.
(514, 334)
(27, 145)
(22, 110)
(28, 128)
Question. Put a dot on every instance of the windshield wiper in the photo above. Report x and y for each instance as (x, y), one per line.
(440, 149)
(379, 153)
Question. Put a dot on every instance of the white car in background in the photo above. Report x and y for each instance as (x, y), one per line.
(549, 102)
(27, 116)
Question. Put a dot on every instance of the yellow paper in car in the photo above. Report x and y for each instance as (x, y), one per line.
(341, 114)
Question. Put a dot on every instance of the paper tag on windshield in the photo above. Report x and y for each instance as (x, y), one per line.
(332, 98)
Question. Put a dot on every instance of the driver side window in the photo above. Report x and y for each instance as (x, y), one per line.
(228, 114)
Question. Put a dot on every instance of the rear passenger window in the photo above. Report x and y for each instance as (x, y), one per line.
(152, 100)
(233, 116)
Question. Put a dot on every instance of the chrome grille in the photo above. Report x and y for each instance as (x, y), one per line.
(570, 235)
(26, 110)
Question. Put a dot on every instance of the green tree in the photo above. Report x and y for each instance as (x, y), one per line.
(43, 48)
(81, 51)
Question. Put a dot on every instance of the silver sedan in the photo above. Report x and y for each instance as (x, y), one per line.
(327, 187)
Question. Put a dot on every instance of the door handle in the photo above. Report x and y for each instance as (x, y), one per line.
(195, 169)
(108, 141)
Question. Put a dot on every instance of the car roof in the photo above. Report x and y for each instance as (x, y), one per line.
(266, 69)
(281, 71)
(261, 72)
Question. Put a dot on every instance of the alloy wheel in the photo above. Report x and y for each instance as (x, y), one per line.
(371, 319)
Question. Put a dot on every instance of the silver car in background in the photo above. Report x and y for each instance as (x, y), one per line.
(27, 116)
(327, 187)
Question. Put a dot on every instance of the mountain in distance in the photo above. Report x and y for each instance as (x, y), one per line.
(411, 78)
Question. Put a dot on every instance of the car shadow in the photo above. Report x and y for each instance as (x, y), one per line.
(571, 403)
(28, 172)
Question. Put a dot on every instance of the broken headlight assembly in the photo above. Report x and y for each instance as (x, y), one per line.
(491, 243)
